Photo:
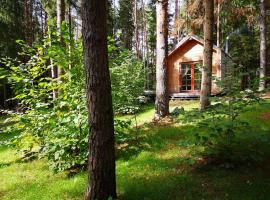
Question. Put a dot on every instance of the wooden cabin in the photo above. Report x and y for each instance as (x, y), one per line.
(185, 68)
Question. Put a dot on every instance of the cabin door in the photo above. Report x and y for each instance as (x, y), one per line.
(190, 77)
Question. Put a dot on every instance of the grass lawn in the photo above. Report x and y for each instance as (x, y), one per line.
(161, 168)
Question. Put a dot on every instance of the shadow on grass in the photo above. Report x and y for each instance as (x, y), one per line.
(152, 138)
(168, 165)
(166, 182)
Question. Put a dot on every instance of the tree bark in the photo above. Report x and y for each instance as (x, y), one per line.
(207, 54)
(135, 13)
(218, 23)
(263, 48)
(61, 10)
(28, 23)
(102, 184)
(162, 100)
(176, 15)
(53, 69)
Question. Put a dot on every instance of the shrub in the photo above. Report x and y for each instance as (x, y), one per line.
(57, 129)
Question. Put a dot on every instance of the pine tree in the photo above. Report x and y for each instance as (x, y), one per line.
(162, 100)
(207, 54)
(102, 184)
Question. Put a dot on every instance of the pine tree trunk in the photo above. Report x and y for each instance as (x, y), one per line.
(218, 23)
(61, 10)
(176, 15)
(135, 13)
(28, 25)
(162, 100)
(263, 48)
(70, 45)
(207, 54)
(102, 184)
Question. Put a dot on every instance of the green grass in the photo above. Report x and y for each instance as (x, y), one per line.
(33, 180)
(162, 168)
(148, 111)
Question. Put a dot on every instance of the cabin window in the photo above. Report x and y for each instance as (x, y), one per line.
(197, 76)
(190, 77)
(186, 77)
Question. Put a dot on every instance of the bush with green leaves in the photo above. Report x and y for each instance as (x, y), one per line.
(221, 124)
(128, 77)
(57, 129)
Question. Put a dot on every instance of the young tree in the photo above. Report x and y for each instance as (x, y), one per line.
(207, 54)
(102, 184)
(162, 100)
(263, 48)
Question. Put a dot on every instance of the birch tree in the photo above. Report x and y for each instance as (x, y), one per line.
(263, 48)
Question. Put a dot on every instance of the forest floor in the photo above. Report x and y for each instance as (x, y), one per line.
(164, 165)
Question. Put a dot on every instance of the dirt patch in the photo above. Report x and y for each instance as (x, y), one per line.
(163, 121)
(265, 116)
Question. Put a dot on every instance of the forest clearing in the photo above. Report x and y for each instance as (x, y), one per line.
(134, 100)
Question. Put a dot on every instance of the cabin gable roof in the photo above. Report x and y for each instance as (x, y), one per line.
(187, 39)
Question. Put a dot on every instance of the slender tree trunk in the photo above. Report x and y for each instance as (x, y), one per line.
(176, 15)
(263, 48)
(42, 21)
(207, 54)
(146, 49)
(28, 21)
(53, 69)
(218, 23)
(61, 10)
(162, 100)
(135, 13)
(102, 184)
(70, 45)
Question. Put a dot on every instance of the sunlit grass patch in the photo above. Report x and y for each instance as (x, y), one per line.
(34, 180)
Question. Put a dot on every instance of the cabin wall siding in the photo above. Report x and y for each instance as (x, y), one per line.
(192, 51)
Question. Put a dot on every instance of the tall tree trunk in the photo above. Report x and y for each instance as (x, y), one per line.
(102, 184)
(176, 15)
(146, 48)
(70, 45)
(207, 54)
(61, 10)
(218, 23)
(135, 13)
(263, 48)
(162, 100)
(28, 25)
(41, 21)
(52, 68)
